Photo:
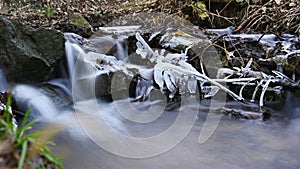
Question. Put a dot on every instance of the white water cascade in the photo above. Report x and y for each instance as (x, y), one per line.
(40, 105)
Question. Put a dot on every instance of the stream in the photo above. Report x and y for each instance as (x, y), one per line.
(235, 143)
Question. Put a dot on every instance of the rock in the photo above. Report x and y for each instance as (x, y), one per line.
(27, 54)
(291, 67)
(250, 115)
(79, 25)
(266, 65)
(78, 20)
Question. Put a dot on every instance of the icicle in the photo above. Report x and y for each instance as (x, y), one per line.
(242, 88)
(210, 91)
(282, 75)
(143, 48)
(170, 82)
(247, 67)
(158, 78)
(255, 91)
(192, 85)
(265, 87)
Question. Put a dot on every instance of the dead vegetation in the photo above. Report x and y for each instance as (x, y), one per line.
(280, 16)
(56, 12)
(275, 16)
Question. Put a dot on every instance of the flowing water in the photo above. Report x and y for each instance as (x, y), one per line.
(236, 143)
(3, 82)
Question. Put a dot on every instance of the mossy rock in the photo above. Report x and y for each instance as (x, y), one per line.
(27, 54)
(78, 20)
(291, 67)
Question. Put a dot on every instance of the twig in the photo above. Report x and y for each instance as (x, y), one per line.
(250, 18)
(265, 87)
(223, 17)
(225, 6)
(231, 93)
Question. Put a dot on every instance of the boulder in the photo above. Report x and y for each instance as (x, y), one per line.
(27, 54)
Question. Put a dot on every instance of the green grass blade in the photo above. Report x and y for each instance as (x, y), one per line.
(23, 129)
(8, 103)
(43, 133)
(46, 153)
(23, 155)
(42, 166)
(28, 126)
(6, 112)
(25, 118)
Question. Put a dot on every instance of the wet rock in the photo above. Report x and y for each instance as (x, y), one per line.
(249, 115)
(78, 20)
(178, 40)
(78, 24)
(29, 55)
(267, 66)
(291, 67)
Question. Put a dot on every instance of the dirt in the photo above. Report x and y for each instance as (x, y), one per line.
(264, 17)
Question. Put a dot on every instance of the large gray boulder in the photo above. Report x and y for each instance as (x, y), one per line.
(27, 54)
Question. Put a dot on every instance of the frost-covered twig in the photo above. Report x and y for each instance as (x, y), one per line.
(170, 69)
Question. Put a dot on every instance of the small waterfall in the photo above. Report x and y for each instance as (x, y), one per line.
(110, 46)
(3, 82)
(80, 64)
(122, 52)
(40, 105)
(76, 45)
(47, 105)
(63, 84)
(50, 109)
(72, 53)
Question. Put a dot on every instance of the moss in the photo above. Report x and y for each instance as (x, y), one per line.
(199, 9)
(78, 20)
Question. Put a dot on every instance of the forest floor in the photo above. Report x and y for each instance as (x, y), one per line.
(264, 17)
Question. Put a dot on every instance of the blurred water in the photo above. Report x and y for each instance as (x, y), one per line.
(235, 144)
(40, 105)
(3, 82)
